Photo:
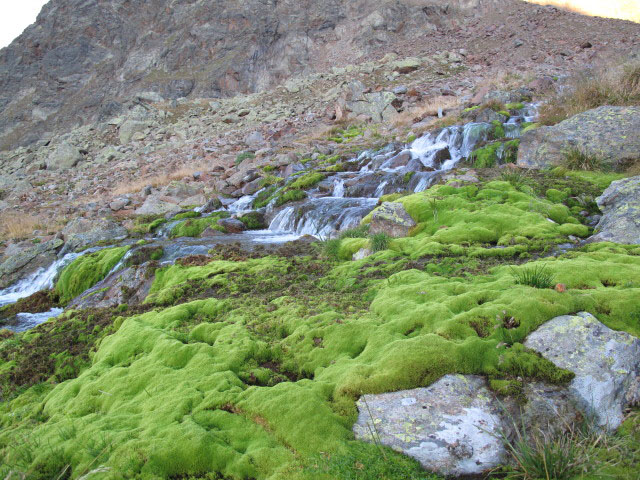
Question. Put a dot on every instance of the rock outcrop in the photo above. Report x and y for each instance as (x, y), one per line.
(620, 204)
(606, 364)
(83, 232)
(608, 134)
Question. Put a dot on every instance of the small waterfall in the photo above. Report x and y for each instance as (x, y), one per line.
(42, 279)
(164, 230)
(380, 190)
(323, 217)
(338, 188)
(243, 204)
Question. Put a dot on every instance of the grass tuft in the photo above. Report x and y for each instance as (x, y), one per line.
(536, 276)
(577, 159)
(379, 242)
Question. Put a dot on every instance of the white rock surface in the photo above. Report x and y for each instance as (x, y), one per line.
(606, 364)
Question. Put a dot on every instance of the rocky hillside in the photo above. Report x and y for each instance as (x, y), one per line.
(83, 60)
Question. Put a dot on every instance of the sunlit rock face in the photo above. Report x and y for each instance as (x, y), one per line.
(623, 9)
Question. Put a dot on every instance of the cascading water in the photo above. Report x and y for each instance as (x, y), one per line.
(42, 279)
(323, 217)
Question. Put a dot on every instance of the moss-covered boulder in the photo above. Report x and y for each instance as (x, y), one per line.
(607, 133)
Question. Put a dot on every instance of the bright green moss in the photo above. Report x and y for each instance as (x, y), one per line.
(498, 128)
(486, 156)
(253, 221)
(514, 106)
(184, 215)
(528, 126)
(471, 219)
(193, 227)
(290, 196)
(198, 387)
(305, 181)
(84, 272)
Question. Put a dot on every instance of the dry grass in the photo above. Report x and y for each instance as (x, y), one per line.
(20, 225)
(614, 85)
(428, 108)
(136, 185)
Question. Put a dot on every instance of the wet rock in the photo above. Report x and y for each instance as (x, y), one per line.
(620, 204)
(606, 364)
(391, 218)
(450, 427)
(83, 232)
(232, 225)
(211, 232)
(27, 261)
(212, 205)
(64, 157)
(607, 133)
(129, 286)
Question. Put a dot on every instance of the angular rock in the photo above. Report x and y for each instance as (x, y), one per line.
(407, 65)
(451, 427)
(607, 133)
(606, 364)
(232, 225)
(391, 218)
(129, 128)
(156, 205)
(620, 204)
(82, 232)
(25, 262)
(64, 157)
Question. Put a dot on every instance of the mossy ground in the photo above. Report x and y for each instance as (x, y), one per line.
(242, 368)
(193, 227)
(84, 272)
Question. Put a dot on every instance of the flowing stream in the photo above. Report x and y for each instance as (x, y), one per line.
(338, 203)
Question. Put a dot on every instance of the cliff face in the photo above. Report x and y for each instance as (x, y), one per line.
(83, 58)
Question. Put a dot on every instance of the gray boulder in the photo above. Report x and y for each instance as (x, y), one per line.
(376, 106)
(606, 364)
(18, 266)
(64, 157)
(129, 128)
(451, 427)
(391, 218)
(82, 232)
(620, 204)
(608, 133)
(158, 205)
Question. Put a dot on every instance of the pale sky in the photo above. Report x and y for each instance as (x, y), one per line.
(15, 16)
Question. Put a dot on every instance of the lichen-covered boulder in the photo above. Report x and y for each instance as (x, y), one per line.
(391, 218)
(83, 232)
(64, 157)
(606, 364)
(608, 133)
(451, 427)
(620, 204)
